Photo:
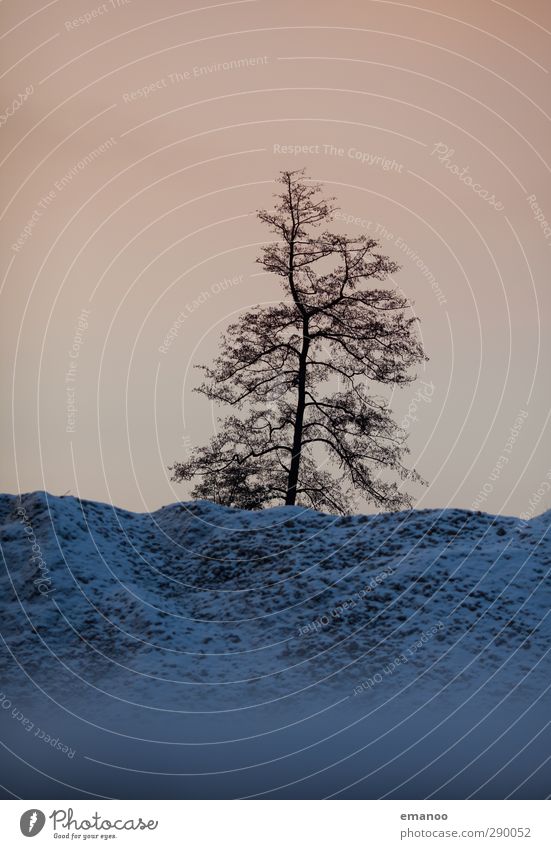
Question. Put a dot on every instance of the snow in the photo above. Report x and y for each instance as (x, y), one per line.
(279, 652)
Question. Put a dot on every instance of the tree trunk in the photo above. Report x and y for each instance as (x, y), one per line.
(292, 482)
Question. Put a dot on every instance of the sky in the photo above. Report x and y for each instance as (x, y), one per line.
(137, 142)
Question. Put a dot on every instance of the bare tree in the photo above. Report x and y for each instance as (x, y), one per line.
(314, 434)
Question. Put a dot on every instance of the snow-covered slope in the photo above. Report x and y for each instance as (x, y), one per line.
(199, 624)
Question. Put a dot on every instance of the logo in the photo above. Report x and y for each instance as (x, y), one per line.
(32, 822)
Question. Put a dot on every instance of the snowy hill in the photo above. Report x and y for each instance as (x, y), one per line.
(233, 652)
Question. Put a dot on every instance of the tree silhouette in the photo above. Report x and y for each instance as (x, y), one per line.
(313, 433)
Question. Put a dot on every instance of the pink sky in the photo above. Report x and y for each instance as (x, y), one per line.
(138, 139)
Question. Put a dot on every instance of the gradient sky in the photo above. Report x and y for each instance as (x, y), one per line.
(154, 131)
